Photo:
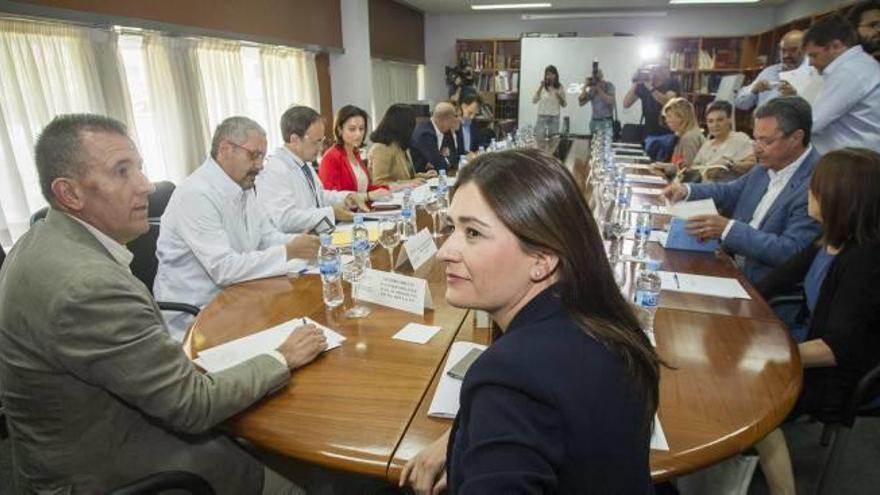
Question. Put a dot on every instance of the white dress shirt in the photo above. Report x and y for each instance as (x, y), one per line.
(292, 201)
(117, 251)
(846, 111)
(440, 137)
(213, 234)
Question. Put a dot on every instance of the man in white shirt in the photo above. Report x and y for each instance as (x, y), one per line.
(214, 233)
(766, 86)
(846, 111)
(289, 189)
(767, 207)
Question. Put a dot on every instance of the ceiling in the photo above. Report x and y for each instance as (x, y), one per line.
(463, 6)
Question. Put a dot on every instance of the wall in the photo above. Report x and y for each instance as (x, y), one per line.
(802, 8)
(441, 31)
(397, 32)
(351, 72)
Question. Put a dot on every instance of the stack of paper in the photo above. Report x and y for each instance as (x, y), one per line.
(701, 284)
(646, 179)
(688, 209)
(240, 350)
(445, 402)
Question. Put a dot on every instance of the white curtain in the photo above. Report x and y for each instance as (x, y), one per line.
(47, 69)
(289, 78)
(177, 117)
(393, 82)
(222, 76)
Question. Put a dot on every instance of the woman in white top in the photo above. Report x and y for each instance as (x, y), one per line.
(550, 98)
(728, 154)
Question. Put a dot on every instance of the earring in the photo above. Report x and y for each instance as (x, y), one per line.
(538, 274)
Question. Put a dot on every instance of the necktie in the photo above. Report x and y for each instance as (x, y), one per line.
(308, 173)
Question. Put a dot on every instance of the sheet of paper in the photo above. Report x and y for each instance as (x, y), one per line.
(417, 333)
(396, 291)
(646, 179)
(688, 209)
(648, 191)
(445, 401)
(805, 80)
(240, 350)
(658, 438)
(702, 284)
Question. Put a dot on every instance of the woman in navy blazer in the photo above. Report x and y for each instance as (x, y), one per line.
(839, 275)
(564, 401)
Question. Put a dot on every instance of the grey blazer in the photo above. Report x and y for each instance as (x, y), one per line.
(97, 393)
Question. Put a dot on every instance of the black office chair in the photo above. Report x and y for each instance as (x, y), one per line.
(158, 200)
(167, 480)
(862, 403)
(2, 256)
(39, 215)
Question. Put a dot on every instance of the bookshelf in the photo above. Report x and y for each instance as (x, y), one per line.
(496, 63)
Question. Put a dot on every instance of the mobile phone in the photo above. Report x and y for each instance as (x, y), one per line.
(459, 369)
(384, 207)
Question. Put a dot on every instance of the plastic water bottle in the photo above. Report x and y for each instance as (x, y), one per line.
(331, 275)
(642, 234)
(442, 181)
(408, 216)
(647, 293)
(360, 242)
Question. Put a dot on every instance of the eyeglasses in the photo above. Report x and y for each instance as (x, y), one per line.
(768, 142)
(254, 155)
(320, 142)
(873, 25)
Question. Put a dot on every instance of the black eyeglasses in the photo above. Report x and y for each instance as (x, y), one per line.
(252, 154)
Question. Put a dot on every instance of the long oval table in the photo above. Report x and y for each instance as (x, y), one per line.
(733, 371)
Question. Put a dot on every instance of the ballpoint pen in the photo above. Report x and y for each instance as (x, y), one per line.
(677, 285)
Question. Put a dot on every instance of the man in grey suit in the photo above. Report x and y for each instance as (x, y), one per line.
(97, 393)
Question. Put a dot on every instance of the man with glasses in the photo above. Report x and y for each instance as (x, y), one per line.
(767, 207)
(865, 19)
(291, 191)
(213, 231)
(767, 85)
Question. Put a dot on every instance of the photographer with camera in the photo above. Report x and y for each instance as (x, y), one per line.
(600, 93)
(550, 98)
(654, 86)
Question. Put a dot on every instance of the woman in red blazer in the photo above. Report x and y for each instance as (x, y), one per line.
(342, 168)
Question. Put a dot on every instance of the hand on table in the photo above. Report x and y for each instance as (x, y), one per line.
(303, 345)
(426, 472)
(303, 246)
(707, 226)
(357, 201)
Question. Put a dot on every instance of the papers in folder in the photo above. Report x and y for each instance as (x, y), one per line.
(701, 284)
(240, 350)
(445, 402)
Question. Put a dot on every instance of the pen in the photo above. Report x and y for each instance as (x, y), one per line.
(677, 285)
(303, 320)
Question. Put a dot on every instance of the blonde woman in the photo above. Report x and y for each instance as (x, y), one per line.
(679, 116)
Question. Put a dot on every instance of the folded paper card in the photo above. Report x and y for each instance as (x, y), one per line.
(396, 291)
(417, 250)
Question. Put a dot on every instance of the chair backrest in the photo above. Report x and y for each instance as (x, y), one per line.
(2, 256)
(144, 264)
(158, 200)
(39, 215)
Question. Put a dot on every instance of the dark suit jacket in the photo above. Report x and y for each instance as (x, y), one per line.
(785, 230)
(424, 149)
(846, 317)
(548, 409)
(97, 394)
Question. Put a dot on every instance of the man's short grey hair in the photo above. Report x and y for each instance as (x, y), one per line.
(791, 113)
(234, 129)
(443, 110)
(59, 150)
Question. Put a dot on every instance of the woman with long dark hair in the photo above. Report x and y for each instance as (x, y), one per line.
(342, 168)
(564, 401)
(550, 98)
(390, 161)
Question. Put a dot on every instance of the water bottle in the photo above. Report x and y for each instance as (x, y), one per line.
(642, 234)
(442, 191)
(481, 150)
(360, 242)
(443, 181)
(647, 293)
(493, 145)
(408, 216)
(331, 276)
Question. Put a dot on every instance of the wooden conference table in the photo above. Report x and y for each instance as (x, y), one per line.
(733, 372)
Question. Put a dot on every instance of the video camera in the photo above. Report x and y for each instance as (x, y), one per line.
(642, 75)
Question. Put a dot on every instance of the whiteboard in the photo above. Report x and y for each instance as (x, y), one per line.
(618, 58)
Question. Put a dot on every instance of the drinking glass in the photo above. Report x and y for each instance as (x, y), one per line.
(389, 237)
(352, 273)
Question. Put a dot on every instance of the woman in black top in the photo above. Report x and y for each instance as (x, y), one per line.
(840, 275)
(563, 401)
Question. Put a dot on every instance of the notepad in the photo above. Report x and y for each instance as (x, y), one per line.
(240, 350)
(445, 401)
(417, 333)
(702, 284)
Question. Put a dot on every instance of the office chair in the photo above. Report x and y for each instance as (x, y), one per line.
(167, 480)
(862, 403)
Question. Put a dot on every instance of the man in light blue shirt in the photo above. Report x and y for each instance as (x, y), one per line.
(846, 111)
(765, 87)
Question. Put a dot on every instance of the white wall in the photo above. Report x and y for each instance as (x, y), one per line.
(441, 31)
(350, 72)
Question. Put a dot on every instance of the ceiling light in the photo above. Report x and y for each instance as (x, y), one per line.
(502, 6)
(595, 15)
(712, 1)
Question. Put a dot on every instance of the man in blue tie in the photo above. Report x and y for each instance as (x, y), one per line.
(767, 220)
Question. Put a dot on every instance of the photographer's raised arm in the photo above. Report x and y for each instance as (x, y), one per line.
(630, 96)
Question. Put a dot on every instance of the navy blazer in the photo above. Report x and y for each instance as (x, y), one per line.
(784, 231)
(548, 409)
(424, 149)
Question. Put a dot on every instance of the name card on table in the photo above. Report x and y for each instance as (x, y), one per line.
(417, 249)
(396, 291)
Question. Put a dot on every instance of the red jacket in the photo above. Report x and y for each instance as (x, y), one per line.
(336, 174)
